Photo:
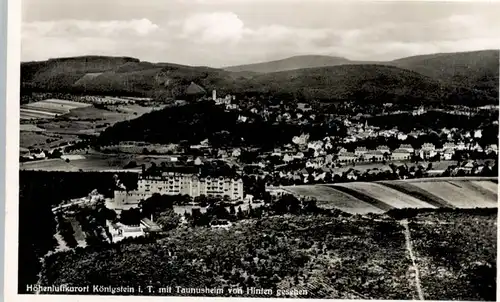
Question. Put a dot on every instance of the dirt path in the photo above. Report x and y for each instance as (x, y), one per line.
(414, 267)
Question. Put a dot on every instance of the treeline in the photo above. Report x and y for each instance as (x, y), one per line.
(39, 191)
(435, 120)
(196, 122)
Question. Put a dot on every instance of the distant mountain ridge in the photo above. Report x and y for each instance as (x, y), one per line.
(296, 62)
(436, 77)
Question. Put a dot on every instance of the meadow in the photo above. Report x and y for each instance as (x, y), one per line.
(376, 197)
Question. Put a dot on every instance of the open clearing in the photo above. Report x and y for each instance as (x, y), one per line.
(330, 198)
(49, 108)
(460, 196)
(387, 195)
(376, 197)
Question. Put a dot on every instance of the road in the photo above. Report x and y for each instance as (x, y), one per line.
(414, 267)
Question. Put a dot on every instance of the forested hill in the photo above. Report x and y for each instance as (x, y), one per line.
(367, 82)
(475, 69)
(470, 78)
(198, 121)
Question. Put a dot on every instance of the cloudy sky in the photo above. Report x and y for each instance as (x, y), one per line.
(229, 32)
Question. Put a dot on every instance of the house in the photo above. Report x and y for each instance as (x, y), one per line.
(220, 224)
(383, 149)
(198, 161)
(461, 146)
(316, 145)
(428, 147)
(477, 148)
(400, 154)
(301, 140)
(39, 155)
(351, 175)
(342, 150)
(120, 231)
(402, 136)
(242, 118)
(492, 148)
(451, 146)
(360, 151)
(407, 147)
(478, 133)
(236, 152)
(347, 157)
(374, 156)
(448, 154)
(287, 158)
(299, 155)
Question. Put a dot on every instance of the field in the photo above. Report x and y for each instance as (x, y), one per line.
(329, 198)
(50, 108)
(92, 162)
(363, 197)
(82, 120)
(44, 140)
(458, 194)
(387, 195)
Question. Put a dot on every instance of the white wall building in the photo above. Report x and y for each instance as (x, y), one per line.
(170, 183)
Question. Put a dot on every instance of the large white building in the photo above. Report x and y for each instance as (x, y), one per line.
(172, 183)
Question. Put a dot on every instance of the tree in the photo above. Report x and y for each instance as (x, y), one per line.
(131, 217)
(168, 220)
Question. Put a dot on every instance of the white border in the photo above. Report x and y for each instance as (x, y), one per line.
(12, 178)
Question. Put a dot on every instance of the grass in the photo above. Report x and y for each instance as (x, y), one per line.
(44, 140)
(459, 196)
(389, 196)
(407, 188)
(329, 198)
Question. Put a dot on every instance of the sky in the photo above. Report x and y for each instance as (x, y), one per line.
(222, 33)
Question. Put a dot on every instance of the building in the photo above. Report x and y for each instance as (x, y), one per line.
(120, 231)
(172, 183)
(448, 154)
(449, 146)
(374, 156)
(492, 148)
(400, 154)
(360, 151)
(407, 147)
(347, 157)
(383, 149)
(214, 95)
(428, 147)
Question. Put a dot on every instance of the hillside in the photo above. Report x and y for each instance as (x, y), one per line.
(378, 197)
(444, 80)
(370, 83)
(475, 69)
(297, 62)
(117, 76)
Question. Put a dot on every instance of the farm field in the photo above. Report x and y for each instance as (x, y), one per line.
(377, 197)
(459, 196)
(330, 198)
(44, 140)
(387, 195)
(406, 188)
(87, 120)
(49, 108)
(87, 162)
